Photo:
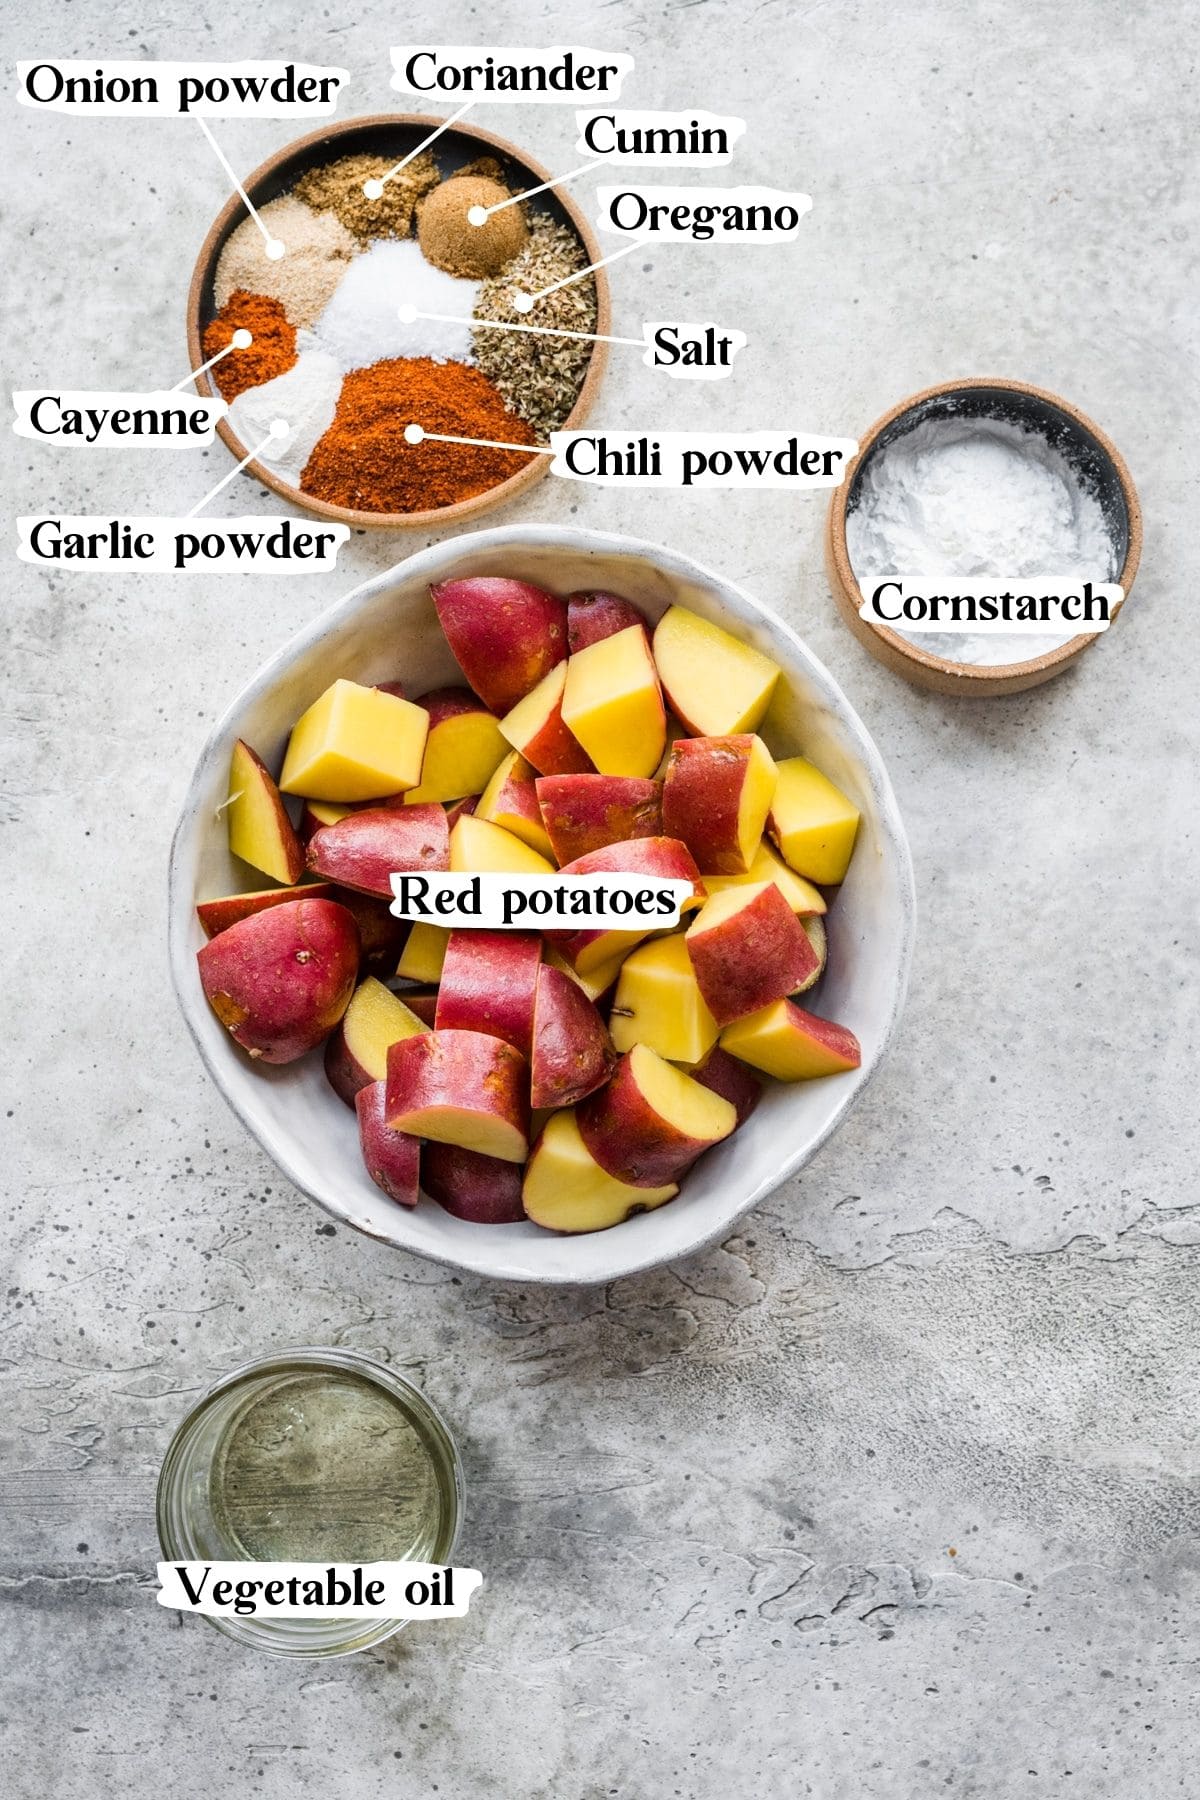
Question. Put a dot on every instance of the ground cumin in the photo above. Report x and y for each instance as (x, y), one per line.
(272, 352)
(363, 461)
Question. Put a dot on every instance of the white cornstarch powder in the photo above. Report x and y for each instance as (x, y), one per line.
(956, 498)
(361, 324)
(306, 395)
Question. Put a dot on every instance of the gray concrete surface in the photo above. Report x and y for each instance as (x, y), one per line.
(893, 1494)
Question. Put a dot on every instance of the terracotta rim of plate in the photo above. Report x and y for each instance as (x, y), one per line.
(461, 509)
(922, 667)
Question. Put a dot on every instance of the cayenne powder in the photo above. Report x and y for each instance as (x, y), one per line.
(272, 352)
(363, 461)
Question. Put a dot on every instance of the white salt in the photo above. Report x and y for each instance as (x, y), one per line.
(361, 324)
(305, 396)
(956, 498)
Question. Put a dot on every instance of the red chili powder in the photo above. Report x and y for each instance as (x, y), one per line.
(272, 352)
(364, 463)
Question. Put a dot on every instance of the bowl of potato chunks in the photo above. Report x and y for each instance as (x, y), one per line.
(553, 1104)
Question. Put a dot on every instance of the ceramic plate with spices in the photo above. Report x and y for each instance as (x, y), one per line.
(371, 285)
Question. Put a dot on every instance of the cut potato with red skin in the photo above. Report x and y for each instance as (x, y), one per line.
(280, 980)
(510, 801)
(658, 1002)
(566, 1190)
(392, 1159)
(394, 688)
(591, 617)
(818, 937)
(460, 1087)
(715, 683)
(455, 811)
(768, 865)
(355, 743)
(462, 749)
(582, 813)
(716, 796)
(481, 1189)
(793, 1045)
(218, 915)
(478, 847)
(365, 849)
(732, 1079)
(651, 1122)
(535, 727)
(662, 856)
(488, 983)
(260, 831)
(613, 704)
(505, 634)
(381, 933)
(572, 1051)
(316, 814)
(748, 949)
(596, 982)
(356, 1051)
(813, 822)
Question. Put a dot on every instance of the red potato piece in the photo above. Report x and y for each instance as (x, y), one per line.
(395, 688)
(260, 831)
(455, 811)
(316, 814)
(591, 617)
(488, 984)
(732, 1079)
(392, 1158)
(583, 813)
(365, 849)
(535, 727)
(651, 1122)
(572, 1051)
(505, 635)
(716, 796)
(280, 980)
(566, 1190)
(793, 1045)
(748, 949)
(462, 748)
(510, 801)
(460, 1087)
(661, 856)
(356, 1049)
(218, 915)
(480, 1189)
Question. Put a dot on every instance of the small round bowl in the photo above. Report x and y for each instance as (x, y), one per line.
(388, 626)
(392, 135)
(187, 1527)
(1085, 446)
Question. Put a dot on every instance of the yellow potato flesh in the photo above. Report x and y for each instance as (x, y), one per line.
(492, 805)
(424, 953)
(355, 743)
(611, 703)
(692, 1110)
(715, 683)
(461, 754)
(375, 1019)
(253, 819)
(813, 822)
(658, 1003)
(565, 1188)
(477, 847)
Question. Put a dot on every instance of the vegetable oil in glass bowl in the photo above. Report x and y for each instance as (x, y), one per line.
(312, 1456)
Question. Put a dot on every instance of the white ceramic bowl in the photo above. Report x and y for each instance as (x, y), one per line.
(388, 628)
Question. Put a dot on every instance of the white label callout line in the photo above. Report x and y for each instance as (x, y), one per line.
(373, 189)
(417, 434)
(527, 302)
(241, 340)
(272, 245)
(409, 316)
(479, 215)
(279, 428)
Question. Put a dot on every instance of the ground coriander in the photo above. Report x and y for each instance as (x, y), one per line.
(338, 188)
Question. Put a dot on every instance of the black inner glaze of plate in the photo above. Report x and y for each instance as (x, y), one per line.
(1086, 456)
(451, 152)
